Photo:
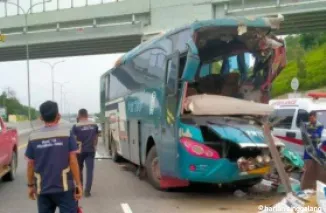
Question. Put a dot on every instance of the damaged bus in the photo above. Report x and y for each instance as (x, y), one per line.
(184, 106)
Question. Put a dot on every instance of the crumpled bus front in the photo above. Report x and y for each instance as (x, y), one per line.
(230, 67)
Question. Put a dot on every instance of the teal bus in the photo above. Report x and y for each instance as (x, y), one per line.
(174, 107)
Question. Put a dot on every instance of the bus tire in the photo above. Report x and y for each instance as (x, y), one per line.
(152, 158)
(114, 152)
(11, 175)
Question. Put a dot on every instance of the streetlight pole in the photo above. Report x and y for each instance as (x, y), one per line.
(66, 103)
(27, 45)
(61, 91)
(52, 73)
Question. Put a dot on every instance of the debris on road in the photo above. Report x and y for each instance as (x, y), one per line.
(238, 193)
(306, 201)
(303, 202)
(263, 186)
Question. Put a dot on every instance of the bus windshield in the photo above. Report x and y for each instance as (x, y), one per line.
(237, 76)
(239, 66)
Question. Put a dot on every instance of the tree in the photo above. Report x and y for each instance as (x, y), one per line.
(308, 40)
(324, 52)
(11, 103)
(301, 63)
(216, 66)
(291, 45)
(312, 40)
(11, 93)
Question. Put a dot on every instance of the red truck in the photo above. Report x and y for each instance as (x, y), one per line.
(8, 152)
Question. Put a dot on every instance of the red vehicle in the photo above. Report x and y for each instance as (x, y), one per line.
(8, 152)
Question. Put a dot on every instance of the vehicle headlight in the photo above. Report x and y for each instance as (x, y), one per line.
(241, 160)
(252, 167)
(259, 159)
(267, 159)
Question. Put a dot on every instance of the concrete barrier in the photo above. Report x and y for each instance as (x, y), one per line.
(25, 126)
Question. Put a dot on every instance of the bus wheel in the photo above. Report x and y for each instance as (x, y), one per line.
(153, 168)
(114, 153)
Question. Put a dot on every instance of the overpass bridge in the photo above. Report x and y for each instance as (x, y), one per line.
(118, 26)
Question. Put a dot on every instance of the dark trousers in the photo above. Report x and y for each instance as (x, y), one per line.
(65, 201)
(88, 159)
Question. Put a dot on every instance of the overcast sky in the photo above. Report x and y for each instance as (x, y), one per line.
(82, 73)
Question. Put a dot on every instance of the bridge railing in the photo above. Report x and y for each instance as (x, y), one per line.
(7, 9)
(245, 5)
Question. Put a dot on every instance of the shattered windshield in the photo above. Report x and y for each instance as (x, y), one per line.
(237, 76)
(239, 66)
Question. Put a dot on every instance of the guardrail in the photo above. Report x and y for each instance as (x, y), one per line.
(13, 8)
(24, 124)
(234, 6)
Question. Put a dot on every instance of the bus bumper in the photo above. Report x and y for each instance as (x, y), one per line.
(222, 170)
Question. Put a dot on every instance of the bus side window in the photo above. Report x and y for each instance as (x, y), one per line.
(171, 77)
(303, 116)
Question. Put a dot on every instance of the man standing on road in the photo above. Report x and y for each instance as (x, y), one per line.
(86, 133)
(53, 172)
(312, 170)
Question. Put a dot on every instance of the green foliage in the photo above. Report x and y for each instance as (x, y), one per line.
(301, 63)
(292, 43)
(306, 55)
(312, 40)
(314, 65)
(14, 107)
(216, 67)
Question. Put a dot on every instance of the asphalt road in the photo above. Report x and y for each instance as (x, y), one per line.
(117, 190)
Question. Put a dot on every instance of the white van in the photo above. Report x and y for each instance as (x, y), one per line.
(294, 111)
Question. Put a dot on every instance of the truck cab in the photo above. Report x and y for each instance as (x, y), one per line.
(8, 152)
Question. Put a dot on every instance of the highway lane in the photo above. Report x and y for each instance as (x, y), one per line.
(117, 190)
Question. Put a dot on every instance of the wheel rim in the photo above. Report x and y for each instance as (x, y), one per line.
(156, 169)
(13, 165)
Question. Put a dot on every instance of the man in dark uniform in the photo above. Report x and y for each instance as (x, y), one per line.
(86, 133)
(312, 170)
(53, 172)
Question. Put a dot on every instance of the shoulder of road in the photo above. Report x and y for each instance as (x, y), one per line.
(26, 127)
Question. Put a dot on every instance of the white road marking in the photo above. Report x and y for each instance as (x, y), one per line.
(126, 208)
(22, 146)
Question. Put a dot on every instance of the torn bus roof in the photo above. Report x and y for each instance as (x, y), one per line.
(241, 23)
(272, 22)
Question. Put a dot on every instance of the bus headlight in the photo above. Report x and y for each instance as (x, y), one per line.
(259, 159)
(267, 159)
(241, 160)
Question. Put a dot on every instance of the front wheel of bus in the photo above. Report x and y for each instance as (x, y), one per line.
(153, 168)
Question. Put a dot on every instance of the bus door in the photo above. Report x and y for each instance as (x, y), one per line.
(168, 147)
